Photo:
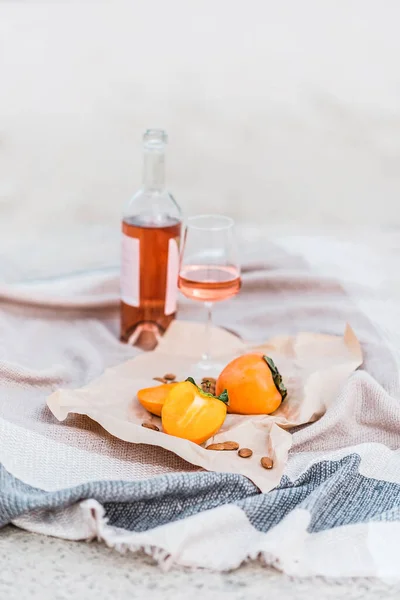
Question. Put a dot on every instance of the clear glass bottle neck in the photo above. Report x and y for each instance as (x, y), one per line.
(154, 170)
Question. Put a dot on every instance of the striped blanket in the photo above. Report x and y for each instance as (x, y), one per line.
(336, 510)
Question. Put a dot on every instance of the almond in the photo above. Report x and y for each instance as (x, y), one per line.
(231, 446)
(150, 426)
(223, 446)
(215, 447)
(267, 462)
(169, 376)
(245, 452)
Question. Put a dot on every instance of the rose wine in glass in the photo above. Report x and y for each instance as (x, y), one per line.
(209, 269)
(151, 228)
(209, 284)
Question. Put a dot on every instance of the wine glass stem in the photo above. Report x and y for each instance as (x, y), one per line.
(207, 346)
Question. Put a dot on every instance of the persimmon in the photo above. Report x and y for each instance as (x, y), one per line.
(253, 383)
(190, 413)
(153, 398)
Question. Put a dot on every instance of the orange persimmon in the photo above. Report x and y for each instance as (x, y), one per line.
(190, 413)
(153, 398)
(253, 383)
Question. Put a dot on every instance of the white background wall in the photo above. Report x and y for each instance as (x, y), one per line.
(277, 111)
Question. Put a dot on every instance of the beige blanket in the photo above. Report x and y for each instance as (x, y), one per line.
(63, 333)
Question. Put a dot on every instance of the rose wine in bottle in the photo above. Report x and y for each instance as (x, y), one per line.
(151, 229)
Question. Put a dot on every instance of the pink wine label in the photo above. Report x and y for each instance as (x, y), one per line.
(172, 277)
(130, 270)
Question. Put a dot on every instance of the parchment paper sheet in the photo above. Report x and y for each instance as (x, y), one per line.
(313, 366)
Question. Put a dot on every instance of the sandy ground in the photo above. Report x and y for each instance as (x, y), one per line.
(37, 568)
(285, 114)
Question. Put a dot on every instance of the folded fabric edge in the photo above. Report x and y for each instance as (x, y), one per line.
(86, 521)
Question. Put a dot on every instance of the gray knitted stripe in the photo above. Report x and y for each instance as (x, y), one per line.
(333, 492)
(147, 503)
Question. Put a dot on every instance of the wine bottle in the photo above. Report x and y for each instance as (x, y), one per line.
(151, 228)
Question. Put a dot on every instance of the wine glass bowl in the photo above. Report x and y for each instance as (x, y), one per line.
(209, 267)
(209, 284)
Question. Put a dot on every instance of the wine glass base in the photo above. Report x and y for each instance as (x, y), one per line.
(206, 368)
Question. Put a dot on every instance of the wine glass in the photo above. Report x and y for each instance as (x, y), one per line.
(209, 270)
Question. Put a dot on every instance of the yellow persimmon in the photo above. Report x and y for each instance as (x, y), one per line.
(190, 413)
(153, 398)
(253, 383)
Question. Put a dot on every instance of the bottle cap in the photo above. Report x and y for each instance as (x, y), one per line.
(155, 139)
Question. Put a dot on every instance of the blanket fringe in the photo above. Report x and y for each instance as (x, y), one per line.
(102, 531)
